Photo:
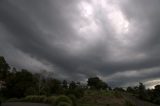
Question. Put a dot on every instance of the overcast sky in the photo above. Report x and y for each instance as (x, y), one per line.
(116, 40)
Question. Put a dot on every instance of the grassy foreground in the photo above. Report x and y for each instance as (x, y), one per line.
(90, 98)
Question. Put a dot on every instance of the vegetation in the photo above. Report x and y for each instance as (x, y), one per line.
(36, 99)
(96, 83)
(129, 103)
(22, 85)
(63, 101)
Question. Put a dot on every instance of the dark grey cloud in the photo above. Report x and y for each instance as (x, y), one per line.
(115, 40)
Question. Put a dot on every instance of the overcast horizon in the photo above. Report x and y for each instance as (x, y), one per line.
(116, 40)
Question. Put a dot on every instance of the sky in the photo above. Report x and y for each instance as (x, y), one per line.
(116, 40)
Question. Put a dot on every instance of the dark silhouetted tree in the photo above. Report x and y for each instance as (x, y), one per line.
(65, 84)
(96, 83)
(72, 85)
(119, 89)
(17, 83)
(4, 68)
(142, 91)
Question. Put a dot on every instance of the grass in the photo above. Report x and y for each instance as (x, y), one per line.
(101, 98)
(90, 98)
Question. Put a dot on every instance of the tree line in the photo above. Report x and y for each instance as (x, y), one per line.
(21, 83)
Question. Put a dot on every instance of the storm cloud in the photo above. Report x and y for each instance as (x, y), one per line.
(118, 41)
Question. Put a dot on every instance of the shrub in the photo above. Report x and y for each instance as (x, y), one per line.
(73, 98)
(51, 99)
(36, 99)
(13, 100)
(156, 101)
(28, 98)
(64, 104)
(41, 99)
(2, 99)
(63, 98)
(118, 94)
(128, 103)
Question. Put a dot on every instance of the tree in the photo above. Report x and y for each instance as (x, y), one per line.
(133, 90)
(157, 91)
(72, 85)
(65, 84)
(96, 83)
(14, 70)
(18, 83)
(40, 83)
(142, 91)
(54, 86)
(75, 89)
(119, 89)
(4, 68)
(157, 88)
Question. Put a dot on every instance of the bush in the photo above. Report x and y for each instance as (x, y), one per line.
(73, 98)
(118, 94)
(28, 99)
(156, 101)
(63, 98)
(13, 100)
(36, 99)
(2, 99)
(78, 92)
(128, 103)
(64, 104)
(51, 99)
